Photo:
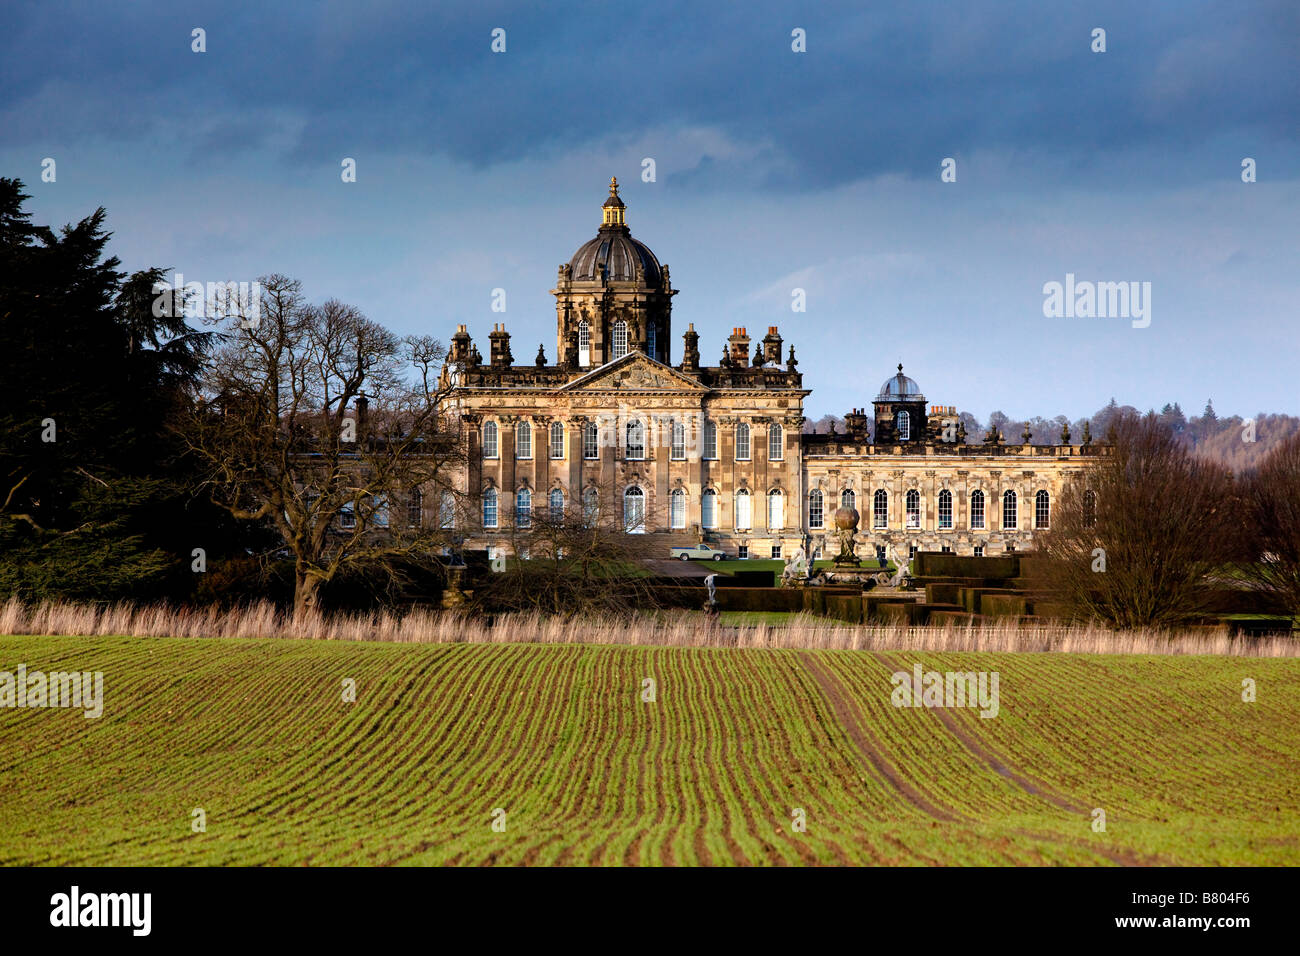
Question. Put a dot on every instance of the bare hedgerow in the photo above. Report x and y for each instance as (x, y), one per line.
(1138, 538)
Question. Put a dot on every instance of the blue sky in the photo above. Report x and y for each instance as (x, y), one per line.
(775, 170)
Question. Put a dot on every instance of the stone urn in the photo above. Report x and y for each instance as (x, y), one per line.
(846, 526)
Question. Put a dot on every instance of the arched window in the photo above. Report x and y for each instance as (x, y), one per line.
(557, 505)
(1042, 510)
(775, 510)
(523, 508)
(710, 439)
(590, 441)
(775, 443)
(903, 421)
(1090, 509)
(977, 509)
(415, 508)
(1009, 510)
(489, 439)
(678, 450)
(677, 509)
(744, 515)
(557, 439)
(590, 506)
(816, 509)
(848, 499)
(635, 440)
(742, 442)
(447, 511)
(634, 511)
(912, 504)
(709, 508)
(584, 343)
(620, 340)
(524, 439)
(945, 509)
(650, 341)
(490, 508)
(880, 509)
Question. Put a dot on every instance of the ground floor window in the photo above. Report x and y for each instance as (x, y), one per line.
(776, 551)
(979, 550)
(634, 511)
(946, 550)
(742, 551)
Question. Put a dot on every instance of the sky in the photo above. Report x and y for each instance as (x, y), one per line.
(774, 170)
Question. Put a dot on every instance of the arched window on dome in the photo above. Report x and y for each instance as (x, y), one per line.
(619, 347)
(904, 423)
(650, 341)
(584, 343)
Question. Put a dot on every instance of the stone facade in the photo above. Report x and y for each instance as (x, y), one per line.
(691, 452)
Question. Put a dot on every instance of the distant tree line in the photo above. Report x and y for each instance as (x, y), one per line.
(1236, 442)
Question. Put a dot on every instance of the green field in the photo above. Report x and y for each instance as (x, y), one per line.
(257, 734)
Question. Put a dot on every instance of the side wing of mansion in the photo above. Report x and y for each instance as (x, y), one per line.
(716, 453)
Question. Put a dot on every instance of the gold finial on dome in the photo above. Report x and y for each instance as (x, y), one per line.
(612, 211)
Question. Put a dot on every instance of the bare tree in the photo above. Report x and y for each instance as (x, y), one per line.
(329, 427)
(1137, 538)
(1271, 512)
(574, 558)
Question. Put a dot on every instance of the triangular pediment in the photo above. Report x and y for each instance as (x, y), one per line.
(634, 372)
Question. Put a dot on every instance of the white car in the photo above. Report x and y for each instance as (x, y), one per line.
(700, 552)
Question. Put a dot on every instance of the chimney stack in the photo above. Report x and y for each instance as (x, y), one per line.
(739, 343)
(772, 346)
(500, 346)
(460, 346)
(691, 352)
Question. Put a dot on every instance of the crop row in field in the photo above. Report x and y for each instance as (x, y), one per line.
(737, 749)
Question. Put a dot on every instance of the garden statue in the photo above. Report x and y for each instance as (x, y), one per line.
(795, 573)
(846, 526)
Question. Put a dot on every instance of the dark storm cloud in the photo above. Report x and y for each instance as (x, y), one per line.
(879, 91)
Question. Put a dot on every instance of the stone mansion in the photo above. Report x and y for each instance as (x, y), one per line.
(692, 452)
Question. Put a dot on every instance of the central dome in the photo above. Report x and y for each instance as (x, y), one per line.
(614, 252)
(900, 388)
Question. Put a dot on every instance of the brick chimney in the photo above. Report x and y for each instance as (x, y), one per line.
(500, 346)
(772, 346)
(739, 343)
